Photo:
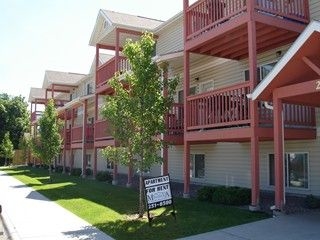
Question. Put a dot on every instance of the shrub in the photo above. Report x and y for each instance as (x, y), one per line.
(67, 169)
(225, 195)
(58, 169)
(88, 172)
(312, 202)
(205, 194)
(76, 172)
(104, 176)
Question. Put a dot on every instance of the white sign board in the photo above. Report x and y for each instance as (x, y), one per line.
(158, 192)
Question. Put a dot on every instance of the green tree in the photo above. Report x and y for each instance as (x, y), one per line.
(47, 144)
(14, 117)
(136, 111)
(6, 148)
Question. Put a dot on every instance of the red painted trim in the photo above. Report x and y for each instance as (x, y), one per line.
(186, 168)
(278, 153)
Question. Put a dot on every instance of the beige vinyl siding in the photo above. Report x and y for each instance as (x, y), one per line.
(102, 164)
(314, 6)
(171, 38)
(312, 147)
(77, 153)
(175, 162)
(225, 163)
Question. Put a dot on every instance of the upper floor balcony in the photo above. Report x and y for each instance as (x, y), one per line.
(230, 107)
(77, 134)
(222, 24)
(35, 116)
(108, 69)
(174, 124)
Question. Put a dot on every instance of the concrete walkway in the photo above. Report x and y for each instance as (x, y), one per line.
(29, 215)
(304, 226)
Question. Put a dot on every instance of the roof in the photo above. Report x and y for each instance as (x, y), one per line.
(124, 19)
(39, 95)
(61, 78)
(107, 21)
(36, 93)
(291, 68)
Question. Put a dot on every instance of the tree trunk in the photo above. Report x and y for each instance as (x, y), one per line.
(50, 173)
(141, 195)
(5, 161)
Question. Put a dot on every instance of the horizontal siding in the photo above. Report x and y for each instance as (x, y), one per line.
(311, 147)
(229, 164)
(171, 38)
(77, 153)
(314, 9)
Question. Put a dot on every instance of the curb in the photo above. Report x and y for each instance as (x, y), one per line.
(6, 231)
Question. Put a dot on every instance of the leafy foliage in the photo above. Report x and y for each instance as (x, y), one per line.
(47, 144)
(6, 148)
(225, 195)
(137, 109)
(104, 176)
(14, 117)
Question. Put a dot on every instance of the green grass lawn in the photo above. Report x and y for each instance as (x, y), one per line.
(109, 207)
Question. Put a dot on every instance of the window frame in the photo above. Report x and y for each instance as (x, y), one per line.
(287, 170)
(193, 164)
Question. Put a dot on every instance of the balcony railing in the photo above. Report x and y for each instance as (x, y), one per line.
(102, 131)
(77, 135)
(107, 70)
(230, 107)
(36, 115)
(174, 120)
(294, 116)
(223, 107)
(205, 15)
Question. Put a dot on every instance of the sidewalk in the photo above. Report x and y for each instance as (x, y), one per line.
(303, 226)
(29, 215)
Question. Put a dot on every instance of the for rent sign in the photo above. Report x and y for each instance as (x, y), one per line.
(158, 192)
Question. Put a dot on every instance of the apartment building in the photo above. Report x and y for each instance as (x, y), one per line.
(226, 126)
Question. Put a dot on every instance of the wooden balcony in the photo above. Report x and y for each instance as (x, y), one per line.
(102, 134)
(174, 125)
(77, 136)
(219, 27)
(108, 69)
(229, 107)
(219, 108)
(35, 116)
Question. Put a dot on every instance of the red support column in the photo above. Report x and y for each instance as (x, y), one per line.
(254, 116)
(84, 137)
(95, 162)
(278, 152)
(165, 156)
(65, 140)
(186, 87)
(186, 170)
(165, 153)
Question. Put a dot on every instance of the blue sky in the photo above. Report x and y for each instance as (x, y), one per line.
(39, 35)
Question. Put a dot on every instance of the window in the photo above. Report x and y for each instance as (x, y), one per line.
(192, 91)
(266, 69)
(89, 88)
(109, 164)
(207, 86)
(197, 165)
(262, 71)
(88, 160)
(296, 170)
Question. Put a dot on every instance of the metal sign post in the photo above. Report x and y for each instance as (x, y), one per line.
(158, 194)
